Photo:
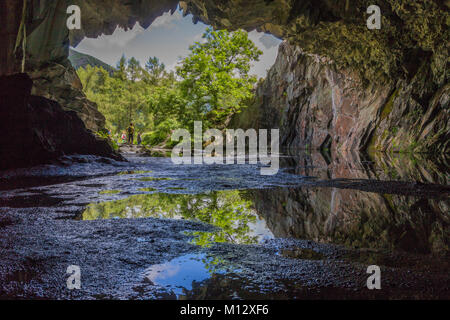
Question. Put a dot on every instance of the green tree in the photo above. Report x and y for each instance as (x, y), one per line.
(121, 72)
(212, 84)
(216, 80)
(155, 70)
(134, 69)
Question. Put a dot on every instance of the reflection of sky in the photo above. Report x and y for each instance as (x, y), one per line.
(260, 230)
(168, 38)
(179, 273)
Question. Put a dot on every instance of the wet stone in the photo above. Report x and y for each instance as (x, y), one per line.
(160, 231)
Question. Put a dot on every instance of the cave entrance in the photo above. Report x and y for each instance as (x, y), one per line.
(132, 74)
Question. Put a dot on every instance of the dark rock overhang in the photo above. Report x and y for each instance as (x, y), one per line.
(333, 29)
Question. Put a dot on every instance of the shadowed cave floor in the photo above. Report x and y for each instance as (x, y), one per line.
(148, 229)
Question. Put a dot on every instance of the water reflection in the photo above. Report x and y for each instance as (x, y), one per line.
(350, 217)
(357, 219)
(379, 166)
(181, 274)
(389, 201)
(393, 203)
(230, 211)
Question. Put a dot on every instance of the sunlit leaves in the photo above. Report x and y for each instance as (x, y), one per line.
(215, 75)
(231, 213)
(213, 83)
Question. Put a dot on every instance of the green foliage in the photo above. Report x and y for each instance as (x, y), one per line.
(155, 71)
(104, 135)
(162, 132)
(394, 130)
(124, 97)
(229, 211)
(215, 76)
(212, 84)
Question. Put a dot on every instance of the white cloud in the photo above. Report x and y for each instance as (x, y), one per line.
(167, 20)
(198, 38)
(268, 44)
(269, 41)
(168, 38)
(173, 66)
(120, 38)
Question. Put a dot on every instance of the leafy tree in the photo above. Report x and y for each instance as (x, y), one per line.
(216, 80)
(212, 84)
(227, 210)
(134, 69)
(166, 101)
(155, 70)
(121, 72)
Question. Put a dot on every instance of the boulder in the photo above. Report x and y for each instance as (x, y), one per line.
(36, 130)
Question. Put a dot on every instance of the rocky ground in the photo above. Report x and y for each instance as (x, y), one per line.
(37, 247)
(43, 231)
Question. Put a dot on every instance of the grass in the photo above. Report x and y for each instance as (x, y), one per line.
(147, 189)
(110, 192)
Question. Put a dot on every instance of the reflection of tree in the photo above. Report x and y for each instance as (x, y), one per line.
(215, 264)
(226, 210)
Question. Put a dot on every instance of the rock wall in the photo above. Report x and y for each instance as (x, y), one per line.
(60, 82)
(10, 16)
(36, 130)
(47, 44)
(333, 29)
(386, 85)
(316, 105)
(337, 30)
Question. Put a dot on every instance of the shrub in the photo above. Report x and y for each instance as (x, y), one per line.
(161, 133)
(106, 136)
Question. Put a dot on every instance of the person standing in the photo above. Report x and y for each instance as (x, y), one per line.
(139, 139)
(130, 132)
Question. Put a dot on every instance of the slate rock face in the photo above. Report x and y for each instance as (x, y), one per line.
(36, 130)
(318, 106)
(357, 219)
(60, 82)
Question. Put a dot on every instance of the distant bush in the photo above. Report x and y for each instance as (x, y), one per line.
(107, 137)
(161, 134)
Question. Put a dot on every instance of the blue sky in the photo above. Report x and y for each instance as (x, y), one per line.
(168, 38)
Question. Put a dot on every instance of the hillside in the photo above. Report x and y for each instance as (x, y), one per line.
(79, 60)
